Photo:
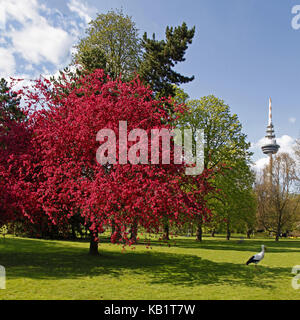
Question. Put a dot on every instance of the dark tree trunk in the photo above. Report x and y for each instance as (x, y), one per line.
(228, 232)
(228, 235)
(93, 244)
(166, 231)
(213, 232)
(199, 230)
(73, 231)
(278, 231)
(249, 232)
(133, 231)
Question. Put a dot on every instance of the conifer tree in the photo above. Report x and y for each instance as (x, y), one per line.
(160, 57)
(9, 103)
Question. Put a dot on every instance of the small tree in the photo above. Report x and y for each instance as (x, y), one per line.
(9, 104)
(275, 197)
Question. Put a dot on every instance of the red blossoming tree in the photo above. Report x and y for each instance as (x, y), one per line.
(64, 179)
(15, 152)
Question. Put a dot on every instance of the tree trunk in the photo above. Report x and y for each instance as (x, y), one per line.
(73, 231)
(279, 227)
(249, 232)
(133, 231)
(199, 230)
(277, 234)
(93, 244)
(228, 232)
(166, 231)
(213, 232)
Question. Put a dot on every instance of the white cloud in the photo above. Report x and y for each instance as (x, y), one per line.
(18, 10)
(41, 42)
(34, 35)
(260, 164)
(7, 62)
(292, 120)
(81, 9)
(287, 144)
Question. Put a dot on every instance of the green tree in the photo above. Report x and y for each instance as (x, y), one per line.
(277, 200)
(224, 140)
(225, 143)
(161, 56)
(235, 204)
(112, 43)
(9, 103)
(92, 58)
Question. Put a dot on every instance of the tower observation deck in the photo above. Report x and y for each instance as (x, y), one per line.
(270, 147)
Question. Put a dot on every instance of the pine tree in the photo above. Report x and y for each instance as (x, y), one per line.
(9, 103)
(160, 57)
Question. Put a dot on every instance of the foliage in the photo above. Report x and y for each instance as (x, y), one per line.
(235, 205)
(63, 178)
(9, 104)
(3, 230)
(277, 202)
(15, 151)
(112, 44)
(224, 140)
(225, 147)
(160, 57)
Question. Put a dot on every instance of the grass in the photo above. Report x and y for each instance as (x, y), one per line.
(185, 270)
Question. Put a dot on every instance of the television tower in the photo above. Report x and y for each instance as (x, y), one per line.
(270, 147)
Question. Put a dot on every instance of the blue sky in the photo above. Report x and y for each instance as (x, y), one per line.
(242, 52)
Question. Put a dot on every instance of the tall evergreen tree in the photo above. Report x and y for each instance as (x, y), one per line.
(9, 103)
(160, 57)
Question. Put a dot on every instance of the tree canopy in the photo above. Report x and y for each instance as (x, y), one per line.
(161, 56)
(63, 178)
(112, 43)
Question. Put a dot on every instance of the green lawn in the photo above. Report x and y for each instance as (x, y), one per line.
(213, 269)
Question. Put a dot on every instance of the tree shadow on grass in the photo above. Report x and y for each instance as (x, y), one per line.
(24, 258)
(189, 270)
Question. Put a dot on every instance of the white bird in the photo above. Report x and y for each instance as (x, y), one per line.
(257, 257)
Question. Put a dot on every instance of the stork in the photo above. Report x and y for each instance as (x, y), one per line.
(257, 257)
